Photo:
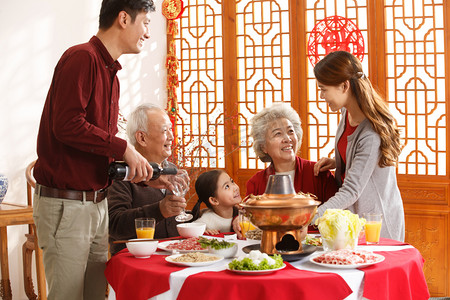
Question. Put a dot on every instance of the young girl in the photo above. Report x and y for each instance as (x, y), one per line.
(367, 144)
(220, 193)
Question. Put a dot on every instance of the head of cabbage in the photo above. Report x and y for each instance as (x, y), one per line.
(340, 225)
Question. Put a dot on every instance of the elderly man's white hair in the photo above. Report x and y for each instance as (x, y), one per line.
(259, 126)
(137, 121)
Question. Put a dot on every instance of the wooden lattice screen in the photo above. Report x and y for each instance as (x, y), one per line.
(238, 56)
(229, 70)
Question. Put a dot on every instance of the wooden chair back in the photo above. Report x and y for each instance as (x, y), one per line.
(31, 183)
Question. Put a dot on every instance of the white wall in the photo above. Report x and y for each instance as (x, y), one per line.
(33, 35)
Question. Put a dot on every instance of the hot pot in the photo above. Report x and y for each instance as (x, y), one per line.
(282, 215)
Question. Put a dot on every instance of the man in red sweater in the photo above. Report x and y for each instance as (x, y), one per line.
(76, 142)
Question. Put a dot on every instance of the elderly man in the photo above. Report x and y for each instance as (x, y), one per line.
(150, 131)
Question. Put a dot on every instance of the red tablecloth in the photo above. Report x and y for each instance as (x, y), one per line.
(399, 276)
(129, 276)
(288, 283)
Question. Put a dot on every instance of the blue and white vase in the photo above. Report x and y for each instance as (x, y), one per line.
(3, 186)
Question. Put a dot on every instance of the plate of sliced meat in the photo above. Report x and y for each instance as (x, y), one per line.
(182, 246)
(346, 259)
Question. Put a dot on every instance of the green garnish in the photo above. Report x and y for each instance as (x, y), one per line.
(214, 243)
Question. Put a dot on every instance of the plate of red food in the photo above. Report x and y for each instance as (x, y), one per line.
(346, 259)
(182, 246)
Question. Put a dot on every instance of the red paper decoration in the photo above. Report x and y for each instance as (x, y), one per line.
(172, 9)
(332, 34)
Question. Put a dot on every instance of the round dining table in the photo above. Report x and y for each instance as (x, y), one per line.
(400, 276)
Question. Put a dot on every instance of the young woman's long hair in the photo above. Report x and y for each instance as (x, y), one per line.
(205, 187)
(339, 66)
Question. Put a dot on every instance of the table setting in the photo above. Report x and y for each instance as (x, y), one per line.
(155, 278)
(344, 260)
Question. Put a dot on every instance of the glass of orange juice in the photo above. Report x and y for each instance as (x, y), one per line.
(244, 223)
(145, 228)
(373, 227)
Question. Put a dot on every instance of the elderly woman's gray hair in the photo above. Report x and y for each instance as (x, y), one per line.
(138, 120)
(260, 122)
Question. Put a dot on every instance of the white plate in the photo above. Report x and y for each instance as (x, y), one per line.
(256, 272)
(313, 235)
(163, 246)
(253, 241)
(380, 259)
(193, 264)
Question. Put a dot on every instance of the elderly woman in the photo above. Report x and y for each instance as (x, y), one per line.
(277, 135)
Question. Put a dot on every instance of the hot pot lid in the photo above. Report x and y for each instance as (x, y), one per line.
(280, 201)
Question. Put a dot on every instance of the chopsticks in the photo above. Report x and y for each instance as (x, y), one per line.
(147, 240)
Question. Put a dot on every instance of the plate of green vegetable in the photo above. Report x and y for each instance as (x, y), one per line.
(256, 272)
(219, 247)
(256, 263)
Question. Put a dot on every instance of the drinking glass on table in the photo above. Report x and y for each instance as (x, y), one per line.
(373, 227)
(145, 228)
(180, 187)
(244, 223)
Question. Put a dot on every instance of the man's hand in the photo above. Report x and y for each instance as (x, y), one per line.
(172, 205)
(324, 164)
(139, 168)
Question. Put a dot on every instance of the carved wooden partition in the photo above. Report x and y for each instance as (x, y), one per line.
(238, 56)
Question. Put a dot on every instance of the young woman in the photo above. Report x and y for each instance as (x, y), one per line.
(220, 193)
(367, 144)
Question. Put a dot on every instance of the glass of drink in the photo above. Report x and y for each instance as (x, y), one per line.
(244, 223)
(181, 186)
(145, 228)
(373, 227)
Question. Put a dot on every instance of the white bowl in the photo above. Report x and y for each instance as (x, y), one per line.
(188, 230)
(226, 252)
(142, 249)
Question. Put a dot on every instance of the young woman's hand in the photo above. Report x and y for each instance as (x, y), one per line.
(324, 164)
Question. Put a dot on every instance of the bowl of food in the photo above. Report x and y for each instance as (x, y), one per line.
(254, 235)
(188, 230)
(142, 249)
(223, 248)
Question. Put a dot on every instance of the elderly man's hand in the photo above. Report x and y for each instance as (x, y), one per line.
(172, 205)
(163, 182)
(169, 181)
